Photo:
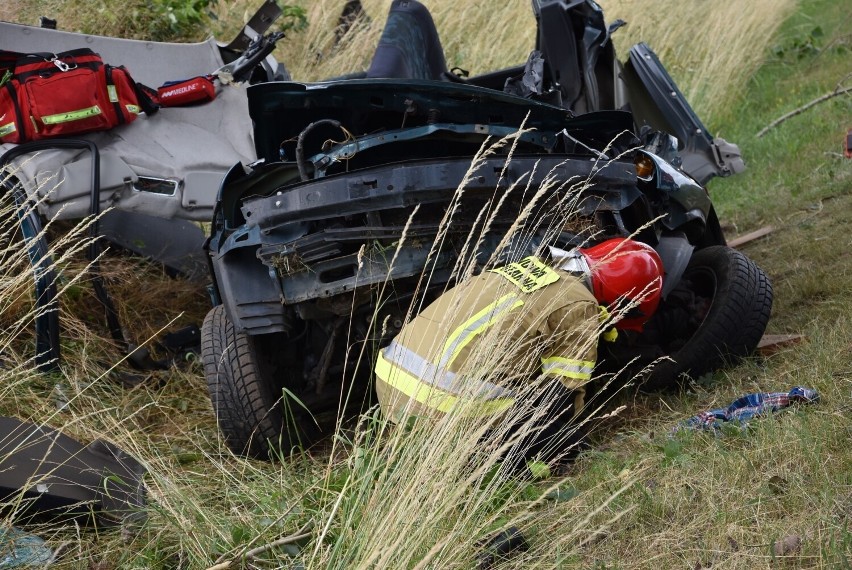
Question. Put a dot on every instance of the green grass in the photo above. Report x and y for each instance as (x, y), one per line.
(724, 501)
(798, 163)
(638, 498)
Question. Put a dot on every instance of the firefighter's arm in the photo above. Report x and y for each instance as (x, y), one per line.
(572, 350)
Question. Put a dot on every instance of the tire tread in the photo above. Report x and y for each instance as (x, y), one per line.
(735, 323)
(248, 414)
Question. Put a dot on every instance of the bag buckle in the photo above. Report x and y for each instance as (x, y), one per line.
(61, 64)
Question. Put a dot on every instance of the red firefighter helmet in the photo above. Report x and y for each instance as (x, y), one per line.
(626, 273)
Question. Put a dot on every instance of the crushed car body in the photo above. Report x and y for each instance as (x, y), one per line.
(146, 184)
(160, 173)
(374, 191)
(156, 165)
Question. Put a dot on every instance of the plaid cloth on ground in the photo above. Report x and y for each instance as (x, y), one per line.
(745, 408)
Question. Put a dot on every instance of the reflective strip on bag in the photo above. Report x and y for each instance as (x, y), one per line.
(71, 116)
(7, 129)
(133, 109)
(432, 397)
(476, 325)
(568, 368)
(113, 93)
(528, 274)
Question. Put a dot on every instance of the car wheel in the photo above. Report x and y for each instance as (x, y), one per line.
(256, 414)
(716, 315)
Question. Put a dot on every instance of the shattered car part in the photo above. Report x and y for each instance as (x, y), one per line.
(46, 473)
(47, 321)
(162, 148)
(655, 97)
(176, 244)
(154, 174)
(257, 25)
(165, 146)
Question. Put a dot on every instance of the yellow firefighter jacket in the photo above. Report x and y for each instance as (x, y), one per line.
(472, 345)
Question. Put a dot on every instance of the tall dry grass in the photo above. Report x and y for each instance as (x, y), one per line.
(17, 313)
(469, 32)
(428, 492)
(23, 263)
(711, 49)
(420, 495)
(423, 494)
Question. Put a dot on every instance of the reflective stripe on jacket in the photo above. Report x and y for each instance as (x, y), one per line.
(481, 338)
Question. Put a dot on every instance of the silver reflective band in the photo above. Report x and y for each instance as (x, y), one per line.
(562, 367)
(571, 261)
(430, 374)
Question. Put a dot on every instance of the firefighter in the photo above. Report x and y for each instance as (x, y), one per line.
(474, 346)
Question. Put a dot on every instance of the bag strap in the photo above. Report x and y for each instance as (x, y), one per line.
(113, 97)
(48, 63)
(49, 55)
(148, 98)
(19, 116)
(8, 59)
(10, 55)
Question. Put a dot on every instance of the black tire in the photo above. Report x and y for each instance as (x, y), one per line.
(255, 414)
(728, 299)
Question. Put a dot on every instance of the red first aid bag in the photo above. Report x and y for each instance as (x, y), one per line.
(199, 89)
(74, 92)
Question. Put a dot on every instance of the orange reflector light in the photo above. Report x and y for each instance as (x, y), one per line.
(644, 166)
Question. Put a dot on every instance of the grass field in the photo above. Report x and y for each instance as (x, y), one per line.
(640, 497)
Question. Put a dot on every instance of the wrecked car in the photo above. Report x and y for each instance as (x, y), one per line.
(372, 195)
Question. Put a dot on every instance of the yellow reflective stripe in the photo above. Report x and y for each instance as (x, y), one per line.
(7, 129)
(432, 397)
(567, 367)
(71, 116)
(475, 326)
(412, 363)
(133, 109)
(529, 274)
(113, 94)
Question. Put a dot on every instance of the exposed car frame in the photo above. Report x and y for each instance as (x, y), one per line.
(321, 253)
